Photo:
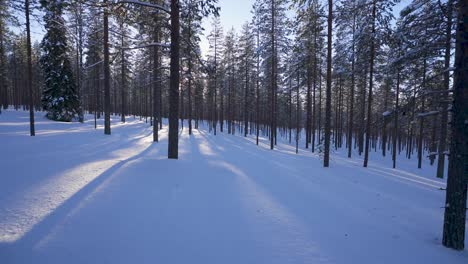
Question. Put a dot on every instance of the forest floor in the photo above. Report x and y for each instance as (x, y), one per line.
(74, 195)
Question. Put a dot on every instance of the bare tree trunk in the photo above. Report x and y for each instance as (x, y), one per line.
(107, 125)
(29, 58)
(156, 85)
(309, 107)
(455, 205)
(173, 146)
(371, 83)
(396, 113)
(444, 114)
(326, 157)
(298, 110)
(189, 110)
(273, 76)
(421, 121)
(314, 90)
(246, 96)
(384, 121)
(257, 91)
(122, 73)
(290, 110)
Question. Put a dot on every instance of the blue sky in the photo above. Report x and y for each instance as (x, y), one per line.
(233, 13)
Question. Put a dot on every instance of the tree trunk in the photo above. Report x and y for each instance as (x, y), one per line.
(444, 114)
(29, 82)
(107, 125)
(396, 113)
(156, 84)
(371, 83)
(122, 73)
(173, 146)
(246, 96)
(326, 157)
(189, 109)
(298, 110)
(455, 205)
(273, 76)
(421, 121)
(257, 91)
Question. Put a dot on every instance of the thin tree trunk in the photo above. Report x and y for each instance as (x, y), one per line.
(396, 113)
(273, 70)
(421, 120)
(298, 110)
(156, 85)
(32, 129)
(246, 94)
(326, 157)
(371, 83)
(257, 91)
(107, 125)
(122, 73)
(444, 114)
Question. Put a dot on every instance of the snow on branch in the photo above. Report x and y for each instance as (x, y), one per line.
(387, 113)
(93, 65)
(136, 2)
(146, 46)
(426, 114)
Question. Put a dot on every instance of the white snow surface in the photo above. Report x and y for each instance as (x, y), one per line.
(74, 195)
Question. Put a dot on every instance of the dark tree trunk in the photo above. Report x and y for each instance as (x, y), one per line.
(122, 73)
(290, 110)
(173, 146)
(309, 108)
(156, 85)
(421, 120)
(189, 95)
(396, 113)
(29, 81)
(107, 125)
(371, 84)
(444, 114)
(384, 121)
(455, 205)
(313, 129)
(273, 77)
(257, 92)
(298, 110)
(326, 157)
(246, 95)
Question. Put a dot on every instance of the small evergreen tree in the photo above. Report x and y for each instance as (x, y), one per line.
(60, 98)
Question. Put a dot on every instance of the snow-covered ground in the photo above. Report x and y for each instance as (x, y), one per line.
(74, 195)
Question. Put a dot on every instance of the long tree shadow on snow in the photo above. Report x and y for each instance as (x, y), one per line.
(41, 229)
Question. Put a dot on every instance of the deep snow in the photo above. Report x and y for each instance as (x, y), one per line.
(74, 195)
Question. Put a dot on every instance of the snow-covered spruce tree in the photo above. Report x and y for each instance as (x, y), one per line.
(60, 98)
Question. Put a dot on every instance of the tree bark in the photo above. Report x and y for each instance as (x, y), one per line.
(173, 146)
(273, 76)
(455, 206)
(122, 73)
(371, 83)
(156, 84)
(326, 157)
(32, 129)
(107, 125)
(396, 113)
(444, 114)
